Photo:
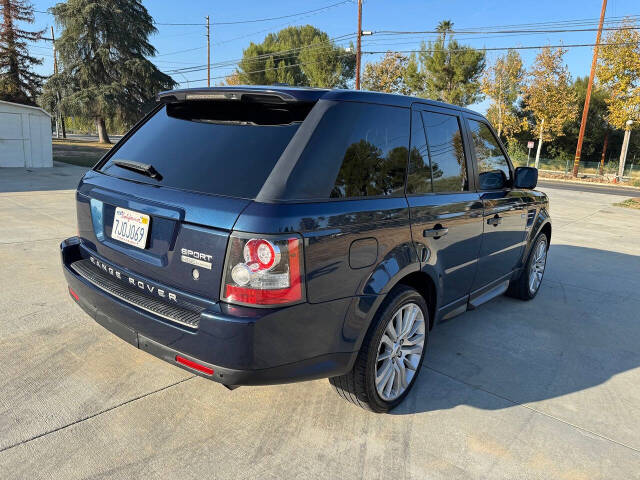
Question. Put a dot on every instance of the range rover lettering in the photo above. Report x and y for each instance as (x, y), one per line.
(264, 235)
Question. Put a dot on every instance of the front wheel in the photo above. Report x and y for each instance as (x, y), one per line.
(391, 354)
(528, 283)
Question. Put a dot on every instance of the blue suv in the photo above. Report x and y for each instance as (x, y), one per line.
(261, 235)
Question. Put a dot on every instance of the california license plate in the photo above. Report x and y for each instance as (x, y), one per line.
(130, 227)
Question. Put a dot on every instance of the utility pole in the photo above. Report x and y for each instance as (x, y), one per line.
(55, 72)
(625, 148)
(208, 55)
(55, 60)
(587, 100)
(359, 45)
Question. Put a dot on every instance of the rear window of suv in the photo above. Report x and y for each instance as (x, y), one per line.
(221, 148)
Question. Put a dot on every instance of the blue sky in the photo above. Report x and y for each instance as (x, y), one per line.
(228, 41)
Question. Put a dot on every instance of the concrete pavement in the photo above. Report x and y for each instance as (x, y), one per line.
(542, 389)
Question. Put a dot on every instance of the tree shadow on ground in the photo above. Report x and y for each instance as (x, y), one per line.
(580, 331)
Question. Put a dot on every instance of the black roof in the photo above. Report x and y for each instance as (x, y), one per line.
(300, 94)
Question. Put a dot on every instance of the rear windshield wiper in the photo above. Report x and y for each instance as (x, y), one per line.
(139, 167)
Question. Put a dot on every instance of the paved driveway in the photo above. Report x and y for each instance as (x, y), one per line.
(544, 389)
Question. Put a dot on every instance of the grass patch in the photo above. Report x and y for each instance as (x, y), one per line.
(630, 203)
(77, 152)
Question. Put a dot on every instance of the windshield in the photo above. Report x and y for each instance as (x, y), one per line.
(222, 148)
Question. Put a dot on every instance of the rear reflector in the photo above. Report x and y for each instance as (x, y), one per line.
(74, 294)
(194, 365)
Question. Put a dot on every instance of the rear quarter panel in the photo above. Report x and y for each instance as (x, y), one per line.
(541, 220)
(329, 230)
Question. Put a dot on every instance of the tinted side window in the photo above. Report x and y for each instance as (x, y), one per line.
(446, 150)
(364, 148)
(493, 168)
(419, 175)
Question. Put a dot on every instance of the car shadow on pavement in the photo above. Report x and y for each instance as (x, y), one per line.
(580, 331)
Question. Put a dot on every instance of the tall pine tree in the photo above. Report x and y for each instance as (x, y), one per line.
(446, 70)
(18, 83)
(103, 50)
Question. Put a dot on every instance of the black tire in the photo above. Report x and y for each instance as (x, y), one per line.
(358, 386)
(519, 288)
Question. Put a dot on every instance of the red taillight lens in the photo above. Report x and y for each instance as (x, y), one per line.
(261, 254)
(263, 271)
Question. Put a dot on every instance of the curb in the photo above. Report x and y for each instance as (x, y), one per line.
(561, 180)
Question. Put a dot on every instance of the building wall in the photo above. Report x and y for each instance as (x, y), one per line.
(25, 136)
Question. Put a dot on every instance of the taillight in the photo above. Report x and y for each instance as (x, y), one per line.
(263, 270)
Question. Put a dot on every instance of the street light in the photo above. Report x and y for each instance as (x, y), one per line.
(625, 148)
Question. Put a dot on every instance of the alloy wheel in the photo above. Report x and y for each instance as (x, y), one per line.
(400, 351)
(536, 269)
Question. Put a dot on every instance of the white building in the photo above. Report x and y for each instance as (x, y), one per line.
(25, 136)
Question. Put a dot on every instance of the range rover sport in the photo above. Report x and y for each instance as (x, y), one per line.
(263, 235)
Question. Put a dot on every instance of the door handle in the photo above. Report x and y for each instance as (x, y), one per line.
(435, 232)
(495, 220)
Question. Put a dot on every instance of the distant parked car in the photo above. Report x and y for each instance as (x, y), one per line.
(261, 235)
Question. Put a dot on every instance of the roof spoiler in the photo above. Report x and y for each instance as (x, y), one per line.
(240, 94)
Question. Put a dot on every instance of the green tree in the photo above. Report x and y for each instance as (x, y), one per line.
(103, 50)
(597, 125)
(502, 83)
(548, 95)
(448, 72)
(619, 71)
(388, 75)
(296, 56)
(18, 82)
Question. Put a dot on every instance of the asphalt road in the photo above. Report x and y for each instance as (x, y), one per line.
(547, 389)
(544, 183)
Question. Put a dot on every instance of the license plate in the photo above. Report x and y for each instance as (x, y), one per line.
(130, 227)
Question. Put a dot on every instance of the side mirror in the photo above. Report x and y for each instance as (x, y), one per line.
(526, 177)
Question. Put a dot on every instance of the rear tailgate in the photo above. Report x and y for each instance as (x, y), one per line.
(192, 166)
(184, 226)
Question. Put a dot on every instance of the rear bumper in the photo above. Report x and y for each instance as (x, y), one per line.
(243, 346)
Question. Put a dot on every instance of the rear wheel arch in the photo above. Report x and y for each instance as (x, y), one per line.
(425, 285)
(546, 229)
(418, 280)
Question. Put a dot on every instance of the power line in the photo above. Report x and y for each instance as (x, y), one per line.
(410, 51)
(486, 32)
(258, 20)
(269, 29)
(529, 47)
(575, 22)
(286, 16)
(277, 53)
(179, 51)
(268, 69)
(488, 49)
